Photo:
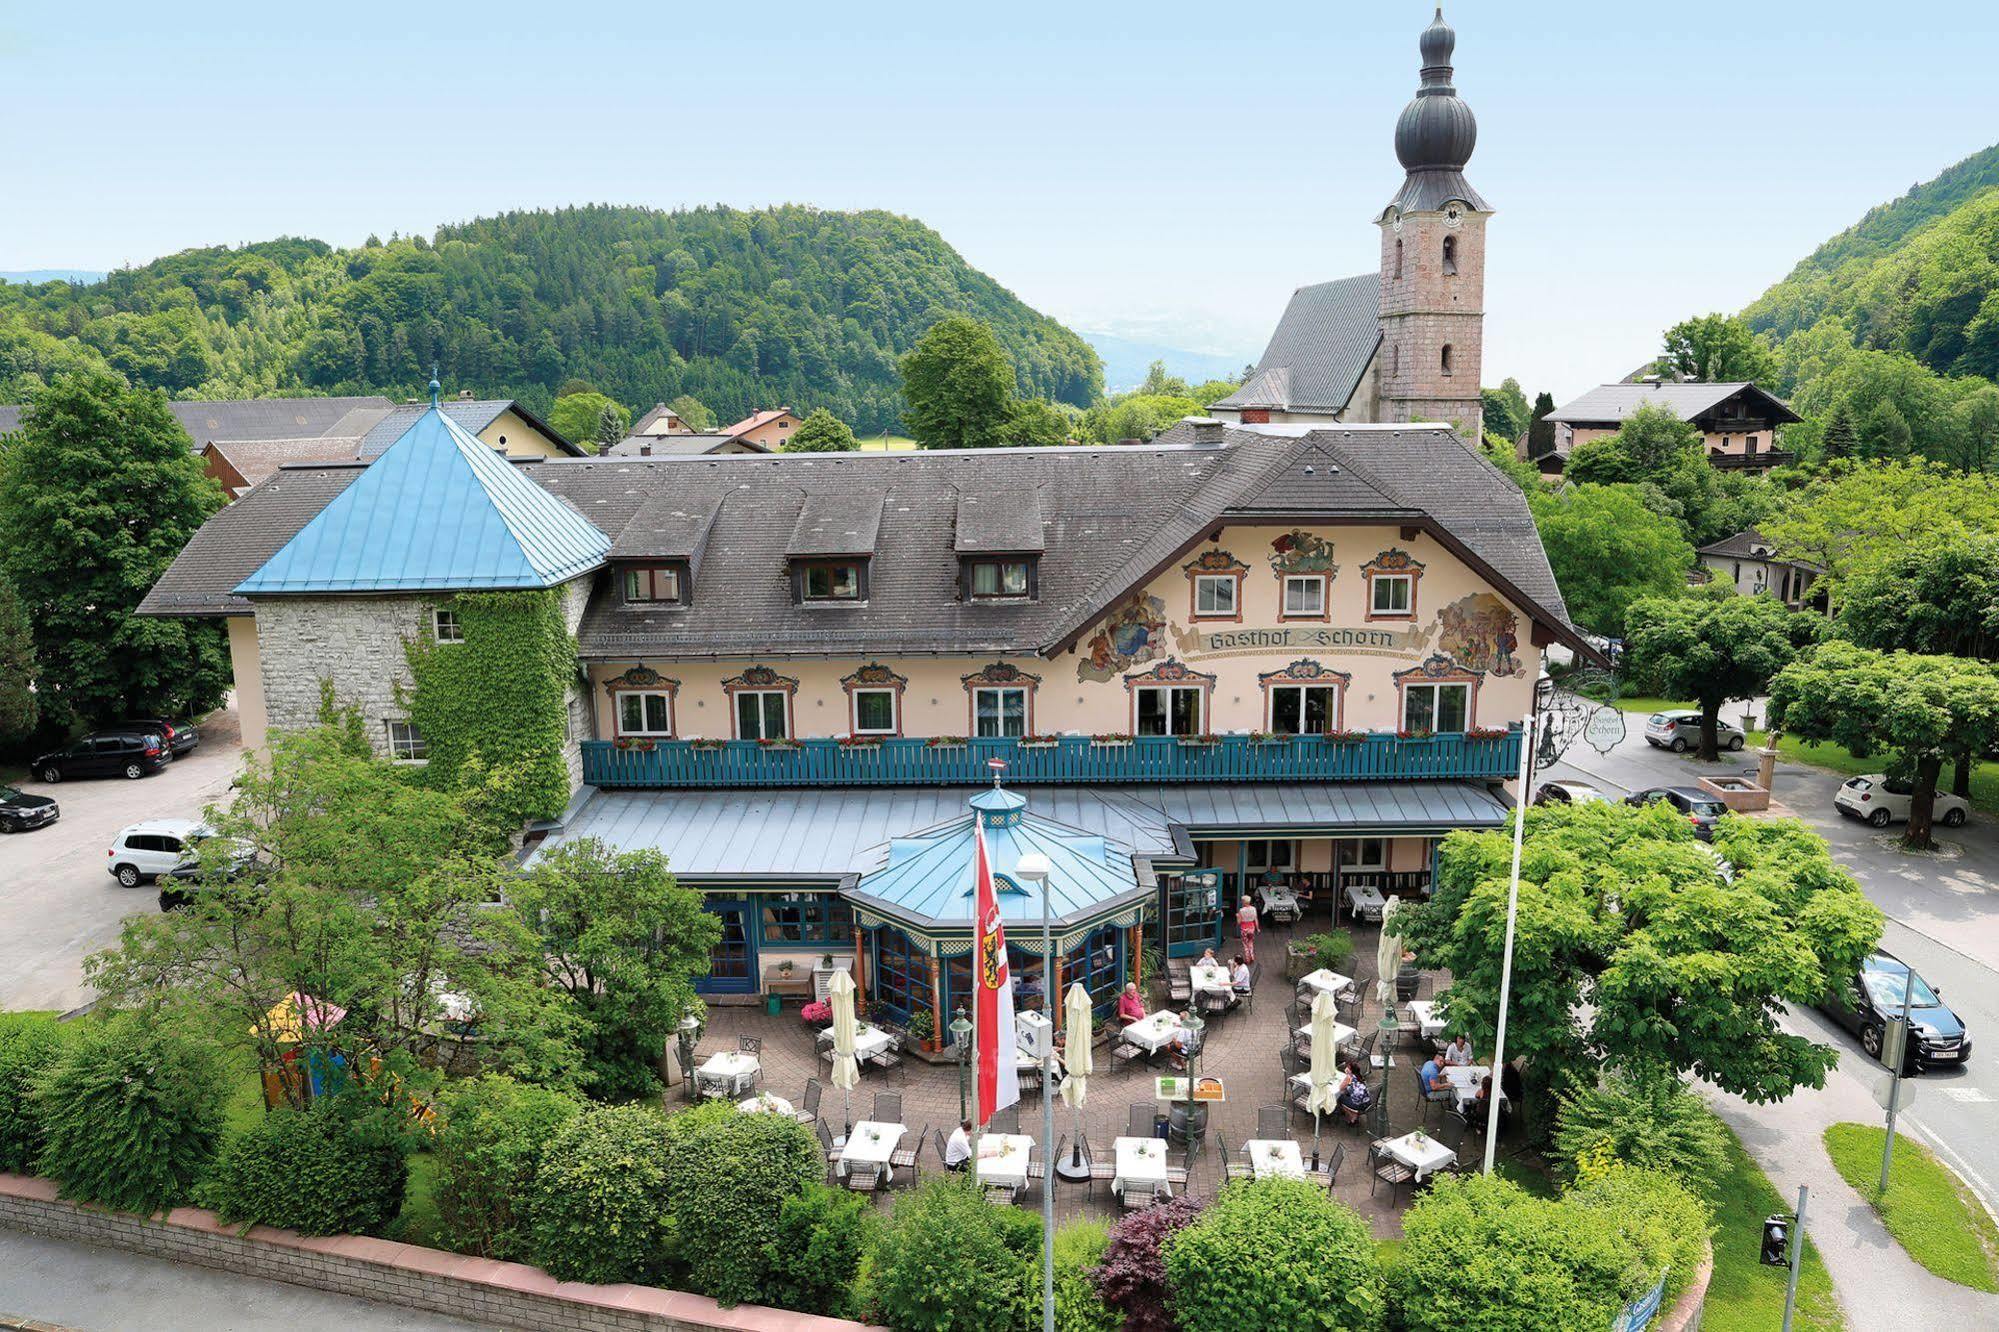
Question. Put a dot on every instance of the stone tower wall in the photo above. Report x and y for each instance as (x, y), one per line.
(1427, 309)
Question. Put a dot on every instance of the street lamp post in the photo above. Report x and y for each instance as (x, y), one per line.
(961, 1041)
(1034, 868)
(1390, 1027)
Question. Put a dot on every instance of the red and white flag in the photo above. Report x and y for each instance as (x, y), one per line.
(993, 1035)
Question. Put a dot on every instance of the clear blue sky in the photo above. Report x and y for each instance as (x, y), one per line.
(1171, 170)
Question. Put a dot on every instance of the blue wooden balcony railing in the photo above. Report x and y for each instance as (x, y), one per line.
(1070, 759)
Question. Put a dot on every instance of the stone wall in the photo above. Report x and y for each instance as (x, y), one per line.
(356, 642)
(478, 1289)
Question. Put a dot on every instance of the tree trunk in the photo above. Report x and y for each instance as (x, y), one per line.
(1923, 803)
(1960, 781)
(1710, 731)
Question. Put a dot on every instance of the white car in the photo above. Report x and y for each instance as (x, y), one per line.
(1881, 802)
(1681, 731)
(147, 850)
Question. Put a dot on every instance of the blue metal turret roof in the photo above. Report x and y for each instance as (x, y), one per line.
(438, 512)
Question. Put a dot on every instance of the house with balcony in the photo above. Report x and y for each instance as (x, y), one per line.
(1232, 653)
(1738, 422)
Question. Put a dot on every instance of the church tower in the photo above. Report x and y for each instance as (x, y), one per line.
(1433, 257)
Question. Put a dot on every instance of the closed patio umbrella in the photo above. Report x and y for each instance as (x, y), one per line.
(1325, 1063)
(1388, 953)
(1080, 1018)
(846, 1069)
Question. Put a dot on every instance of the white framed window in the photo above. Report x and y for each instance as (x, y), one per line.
(645, 712)
(444, 626)
(1169, 710)
(406, 743)
(874, 712)
(1391, 594)
(1304, 596)
(1307, 709)
(763, 714)
(999, 712)
(1363, 853)
(660, 584)
(1436, 708)
(1214, 594)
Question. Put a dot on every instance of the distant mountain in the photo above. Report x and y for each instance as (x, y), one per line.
(1126, 360)
(740, 308)
(75, 276)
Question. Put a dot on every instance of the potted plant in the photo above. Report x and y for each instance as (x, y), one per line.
(948, 742)
(1040, 741)
(826, 962)
(1345, 737)
(1109, 740)
(1330, 951)
(1486, 733)
(922, 1028)
(777, 743)
(784, 968)
(704, 745)
(818, 1013)
(860, 742)
(1199, 741)
(1269, 738)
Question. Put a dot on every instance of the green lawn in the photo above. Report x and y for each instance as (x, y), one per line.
(885, 443)
(1744, 1295)
(1646, 704)
(1927, 1208)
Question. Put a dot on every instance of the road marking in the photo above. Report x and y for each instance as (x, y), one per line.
(1979, 1188)
(1969, 1095)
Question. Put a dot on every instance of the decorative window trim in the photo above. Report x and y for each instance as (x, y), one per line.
(1304, 671)
(1214, 564)
(1325, 612)
(761, 680)
(1437, 669)
(999, 675)
(1394, 563)
(874, 677)
(1170, 674)
(643, 680)
(438, 616)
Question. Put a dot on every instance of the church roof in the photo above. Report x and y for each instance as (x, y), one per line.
(437, 511)
(1320, 351)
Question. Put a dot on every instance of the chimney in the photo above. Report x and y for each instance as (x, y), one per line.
(1207, 431)
(1650, 381)
(464, 395)
(645, 450)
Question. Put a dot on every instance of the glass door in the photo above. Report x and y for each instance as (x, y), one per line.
(732, 965)
(1192, 918)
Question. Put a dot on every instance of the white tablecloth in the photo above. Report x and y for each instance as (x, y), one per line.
(1427, 1016)
(765, 1105)
(1365, 899)
(1342, 1033)
(1303, 1082)
(1279, 900)
(728, 1071)
(870, 1144)
(1423, 1154)
(1274, 1158)
(1141, 1165)
(1155, 1032)
(1464, 1081)
(1210, 980)
(1329, 982)
(1003, 1159)
(868, 1041)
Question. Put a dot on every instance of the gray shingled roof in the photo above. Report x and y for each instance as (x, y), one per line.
(836, 524)
(999, 524)
(1114, 517)
(1320, 350)
(256, 459)
(1429, 189)
(663, 446)
(251, 418)
(669, 526)
(1610, 403)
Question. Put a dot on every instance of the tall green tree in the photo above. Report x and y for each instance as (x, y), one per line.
(98, 493)
(1713, 646)
(821, 432)
(1924, 711)
(1160, 384)
(579, 417)
(1656, 449)
(959, 387)
(1884, 433)
(1973, 442)
(1841, 439)
(1540, 430)
(1037, 424)
(1848, 520)
(1719, 349)
(1506, 410)
(1607, 550)
(611, 423)
(693, 413)
(19, 711)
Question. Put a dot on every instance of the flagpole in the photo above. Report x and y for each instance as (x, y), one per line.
(1506, 965)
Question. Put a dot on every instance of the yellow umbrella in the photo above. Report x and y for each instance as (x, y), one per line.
(1325, 1064)
(1081, 1020)
(846, 1069)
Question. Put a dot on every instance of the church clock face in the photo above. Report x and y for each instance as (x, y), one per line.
(1453, 215)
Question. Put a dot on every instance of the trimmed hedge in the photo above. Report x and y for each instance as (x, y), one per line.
(309, 1171)
(29, 1044)
(1665, 1220)
(816, 1247)
(597, 1205)
(949, 1261)
(487, 1152)
(726, 1182)
(1275, 1253)
(1079, 1250)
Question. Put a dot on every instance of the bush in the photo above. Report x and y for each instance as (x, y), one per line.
(949, 1261)
(1652, 1123)
(1132, 1274)
(1330, 951)
(1274, 1253)
(1079, 1249)
(816, 1246)
(490, 1142)
(597, 1209)
(1527, 1264)
(1662, 1217)
(726, 1182)
(309, 1171)
(131, 1116)
(29, 1044)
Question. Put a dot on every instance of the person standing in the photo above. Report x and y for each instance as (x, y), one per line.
(1245, 916)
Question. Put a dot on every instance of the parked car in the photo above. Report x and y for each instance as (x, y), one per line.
(1567, 793)
(21, 812)
(147, 850)
(1702, 810)
(179, 885)
(1880, 801)
(105, 754)
(1866, 1002)
(1680, 731)
(181, 736)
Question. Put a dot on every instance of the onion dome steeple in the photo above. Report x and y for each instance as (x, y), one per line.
(1437, 132)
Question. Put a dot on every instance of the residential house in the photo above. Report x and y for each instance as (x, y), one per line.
(1748, 560)
(1738, 422)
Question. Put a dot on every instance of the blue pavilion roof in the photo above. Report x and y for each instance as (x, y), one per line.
(438, 512)
(929, 877)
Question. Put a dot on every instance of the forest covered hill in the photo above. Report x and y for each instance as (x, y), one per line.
(740, 309)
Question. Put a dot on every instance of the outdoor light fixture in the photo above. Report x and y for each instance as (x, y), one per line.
(961, 1040)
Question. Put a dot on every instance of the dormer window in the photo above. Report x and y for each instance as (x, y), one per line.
(832, 581)
(659, 585)
(1008, 578)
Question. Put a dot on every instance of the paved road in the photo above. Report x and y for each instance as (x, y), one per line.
(58, 903)
(107, 1290)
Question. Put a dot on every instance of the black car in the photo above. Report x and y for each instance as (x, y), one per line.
(105, 754)
(1867, 1001)
(1702, 810)
(179, 884)
(21, 812)
(180, 736)
(1567, 793)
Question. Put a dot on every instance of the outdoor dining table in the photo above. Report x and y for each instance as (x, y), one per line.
(765, 1104)
(726, 1073)
(1003, 1159)
(1464, 1080)
(1303, 1081)
(1428, 1017)
(1141, 1165)
(1209, 980)
(1342, 1033)
(1279, 900)
(1274, 1158)
(1327, 981)
(869, 1041)
(1152, 1034)
(1420, 1152)
(870, 1144)
(1366, 900)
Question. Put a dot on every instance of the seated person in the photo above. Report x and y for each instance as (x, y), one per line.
(958, 1148)
(1208, 959)
(1239, 977)
(1480, 1107)
(1131, 1004)
(1182, 1046)
(1458, 1053)
(1355, 1098)
(1430, 1077)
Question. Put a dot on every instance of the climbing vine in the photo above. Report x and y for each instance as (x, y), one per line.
(495, 706)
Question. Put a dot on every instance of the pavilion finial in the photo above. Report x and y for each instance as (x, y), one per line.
(999, 770)
(435, 387)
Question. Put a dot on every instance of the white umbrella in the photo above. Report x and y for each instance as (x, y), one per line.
(1387, 954)
(846, 1069)
(1325, 1064)
(1081, 1020)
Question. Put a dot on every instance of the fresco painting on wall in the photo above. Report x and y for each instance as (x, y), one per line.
(1480, 633)
(1302, 552)
(1134, 634)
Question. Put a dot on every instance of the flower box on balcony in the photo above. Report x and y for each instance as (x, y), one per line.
(1344, 737)
(704, 746)
(778, 746)
(853, 742)
(1486, 733)
(1111, 741)
(636, 744)
(1199, 741)
(1040, 741)
(1270, 738)
(948, 742)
